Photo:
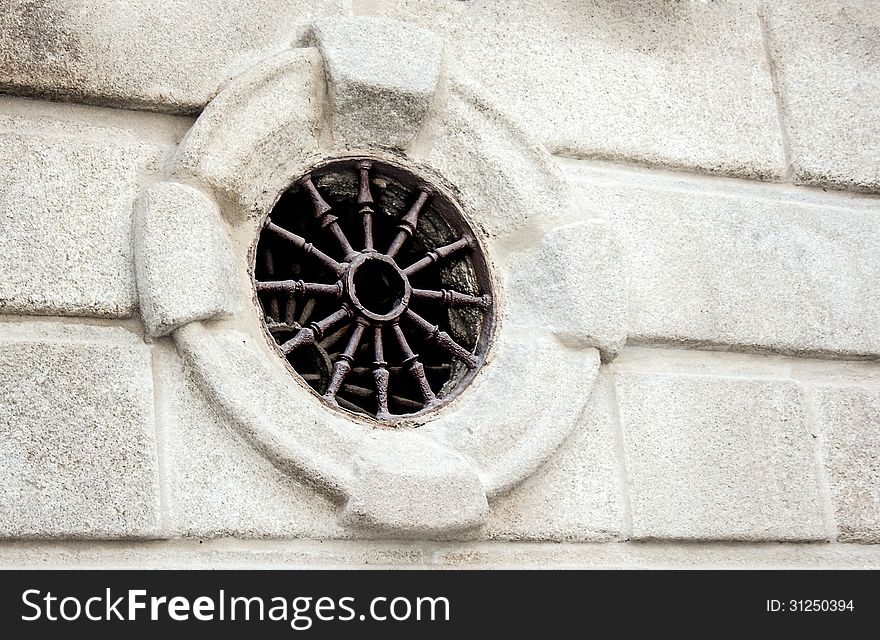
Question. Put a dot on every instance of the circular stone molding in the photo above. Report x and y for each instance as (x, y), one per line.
(520, 295)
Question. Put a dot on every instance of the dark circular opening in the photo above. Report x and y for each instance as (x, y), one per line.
(374, 288)
(378, 286)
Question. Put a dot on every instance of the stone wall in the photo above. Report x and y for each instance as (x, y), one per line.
(732, 147)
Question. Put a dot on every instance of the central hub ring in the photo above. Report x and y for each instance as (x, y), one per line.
(376, 287)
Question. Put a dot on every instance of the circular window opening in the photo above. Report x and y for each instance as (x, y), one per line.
(374, 288)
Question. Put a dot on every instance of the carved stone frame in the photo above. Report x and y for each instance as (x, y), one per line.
(367, 86)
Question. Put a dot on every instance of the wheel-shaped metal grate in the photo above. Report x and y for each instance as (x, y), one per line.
(374, 288)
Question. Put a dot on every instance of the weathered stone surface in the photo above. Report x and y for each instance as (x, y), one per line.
(827, 58)
(498, 432)
(508, 184)
(218, 485)
(183, 259)
(576, 495)
(407, 486)
(849, 415)
(573, 286)
(382, 76)
(248, 382)
(397, 482)
(260, 133)
(751, 266)
(77, 438)
(683, 84)
(716, 457)
(526, 401)
(171, 56)
(69, 178)
(415, 554)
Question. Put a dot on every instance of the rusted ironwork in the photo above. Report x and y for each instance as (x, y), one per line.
(437, 254)
(307, 248)
(407, 225)
(363, 298)
(365, 202)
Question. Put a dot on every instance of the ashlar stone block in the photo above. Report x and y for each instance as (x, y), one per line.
(748, 266)
(682, 84)
(849, 415)
(827, 58)
(67, 192)
(719, 458)
(77, 435)
(573, 285)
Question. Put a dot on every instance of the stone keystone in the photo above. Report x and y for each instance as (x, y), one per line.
(382, 75)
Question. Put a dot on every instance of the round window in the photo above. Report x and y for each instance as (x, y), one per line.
(374, 288)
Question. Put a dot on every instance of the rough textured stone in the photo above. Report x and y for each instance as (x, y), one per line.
(217, 485)
(657, 555)
(683, 84)
(320, 554)
(171, 56)
(77, 439)
(382, 76)
(260, 133)
(248, 382)
(524, 404)
(500, 425)
(573, 286)
(850, 417)
(715, 457)
(742, 265)
(508, 185)
(183, 259)
(576, 495)
(405, 485)
(69, 178)
(827, 58)
(497, 433)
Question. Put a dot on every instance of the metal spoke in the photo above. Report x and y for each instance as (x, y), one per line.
(290, 310)
(307, 310)
(380, 374)
(429, 368)
(334, 337)
(308, 248)
(365, 202)
(363, 392)
(324, 215)
(274, 311)
(450, 298)
(436, 255)
(407, 225)
(315, 331)
(300, 288)
(442, 339)
(414, 367)
(342, 366)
